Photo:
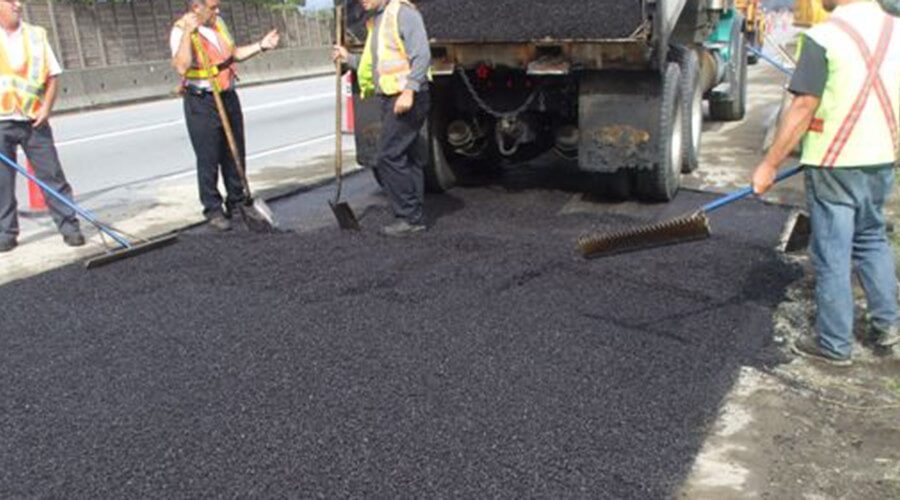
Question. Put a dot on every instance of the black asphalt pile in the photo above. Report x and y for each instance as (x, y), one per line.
(482, 359)
(518, 20)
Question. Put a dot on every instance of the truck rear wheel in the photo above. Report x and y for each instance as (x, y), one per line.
(692, 106)
(661, 182)
(439, 173)
(735, 107)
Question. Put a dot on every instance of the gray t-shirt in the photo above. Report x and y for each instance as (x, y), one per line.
(415, 39)
(811, 76)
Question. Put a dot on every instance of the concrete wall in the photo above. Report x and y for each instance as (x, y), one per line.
(87, 88)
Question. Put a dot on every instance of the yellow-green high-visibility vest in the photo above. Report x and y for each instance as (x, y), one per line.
(393, 61)
(22, 89)
(856, 122)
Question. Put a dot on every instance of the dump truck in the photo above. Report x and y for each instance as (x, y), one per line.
(808, 13)
(754, 25)
(615, 88)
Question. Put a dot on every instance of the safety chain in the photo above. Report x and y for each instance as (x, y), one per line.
(491, 111)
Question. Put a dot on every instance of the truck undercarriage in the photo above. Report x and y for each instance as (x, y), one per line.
(611, 87)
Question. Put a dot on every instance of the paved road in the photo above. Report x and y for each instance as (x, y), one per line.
(107, 148)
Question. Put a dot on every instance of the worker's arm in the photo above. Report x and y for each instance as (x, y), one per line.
(50, 89)
(808, 86)
(43, 114)
(793, 127)
(415, 38)
(342, 55)
(182, 56)
(269, 42)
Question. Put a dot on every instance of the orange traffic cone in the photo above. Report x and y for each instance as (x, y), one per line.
(349, 117)
(37, 204)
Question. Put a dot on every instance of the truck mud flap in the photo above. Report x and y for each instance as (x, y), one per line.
(618, 116)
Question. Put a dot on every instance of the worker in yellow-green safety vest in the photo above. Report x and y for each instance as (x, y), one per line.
(203, 121)
(846, 94)
(394, 68)
(28, 86)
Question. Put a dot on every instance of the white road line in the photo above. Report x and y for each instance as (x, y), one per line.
(268, 152)
(157, 126)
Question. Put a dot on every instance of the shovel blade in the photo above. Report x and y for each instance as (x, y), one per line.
(258, 217)
(799, 234)
(344, 214)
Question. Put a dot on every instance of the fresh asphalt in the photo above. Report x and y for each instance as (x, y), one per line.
(481, 359)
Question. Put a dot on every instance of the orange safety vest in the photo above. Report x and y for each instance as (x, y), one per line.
(23, 88)
(220, 59)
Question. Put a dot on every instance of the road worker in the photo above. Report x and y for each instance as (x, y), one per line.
(29, 85)
(203, 121)
(394, 67)
(846, 95)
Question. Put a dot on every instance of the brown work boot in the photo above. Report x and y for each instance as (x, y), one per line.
(809, 347)
(882, 341)
(403, 228)
(218, 222)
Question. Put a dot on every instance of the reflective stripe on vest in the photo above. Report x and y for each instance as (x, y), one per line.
(216, 56)
(856, 122)
(393, 61)
(23, 88)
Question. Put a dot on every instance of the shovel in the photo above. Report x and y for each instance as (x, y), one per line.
(257, 215)
(342, 211)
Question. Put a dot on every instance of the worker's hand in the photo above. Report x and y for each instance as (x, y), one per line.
(190, 22)
(404, 102)
(270, 41)
(764, 177)
(340, 54)
(42, 117)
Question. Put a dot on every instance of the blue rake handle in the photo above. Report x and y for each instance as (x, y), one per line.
(770, 60)
(69, 203)
(747, 191)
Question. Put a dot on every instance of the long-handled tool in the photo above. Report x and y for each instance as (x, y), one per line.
(691, 227)
(775, 64)
(255, 212)
(126, 248)
(342, 211)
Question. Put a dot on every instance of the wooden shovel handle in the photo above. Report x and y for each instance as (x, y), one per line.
(223, 114)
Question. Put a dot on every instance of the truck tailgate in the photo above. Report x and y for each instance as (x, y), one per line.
(530, 20)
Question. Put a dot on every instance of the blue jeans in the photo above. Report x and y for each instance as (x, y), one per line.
(848, 231)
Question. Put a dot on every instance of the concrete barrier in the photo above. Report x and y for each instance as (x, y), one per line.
(90, 88)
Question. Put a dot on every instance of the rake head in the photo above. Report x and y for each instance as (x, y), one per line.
(687, 228)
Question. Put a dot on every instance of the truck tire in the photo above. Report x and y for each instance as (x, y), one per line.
(661, 182)
(692, 105)
(439, 174)
(734, 108)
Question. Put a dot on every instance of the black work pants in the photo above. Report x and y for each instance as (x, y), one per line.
(402, 157)
(211, 147)
(41, 151)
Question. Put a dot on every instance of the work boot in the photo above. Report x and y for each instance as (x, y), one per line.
(403, 228)
(74, 239)
(7, 244)
(882, 341)
(218, 222)
(809, 347)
